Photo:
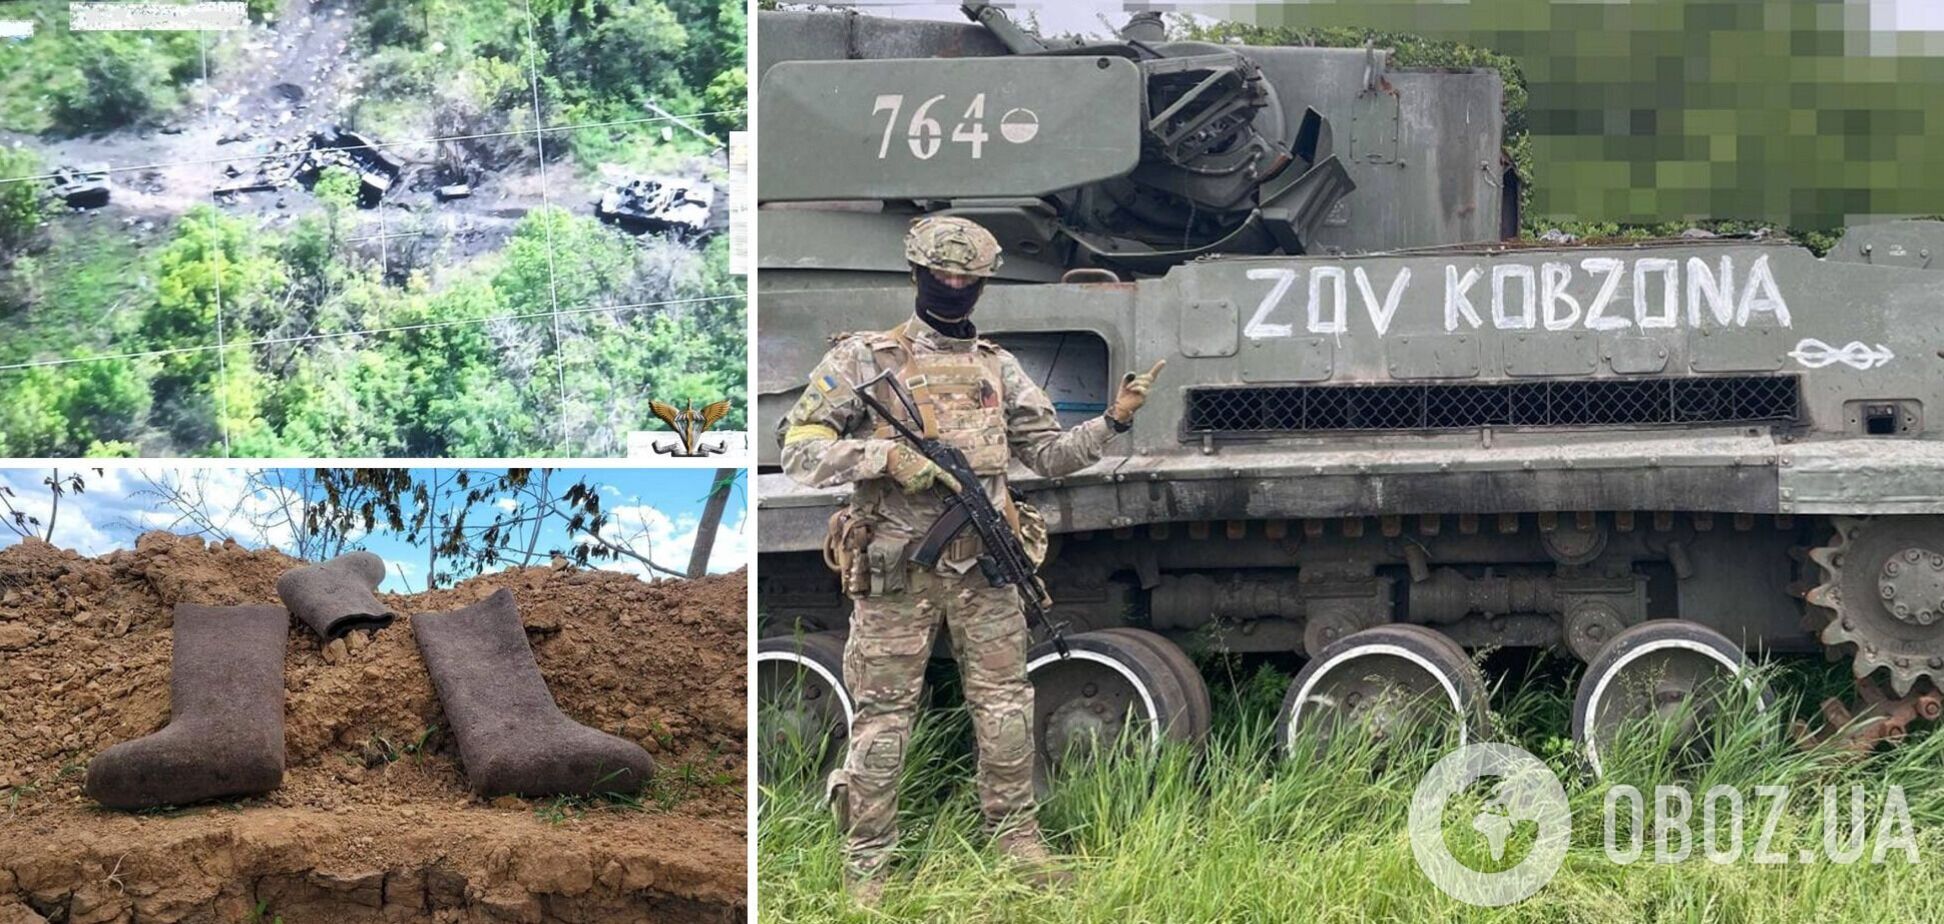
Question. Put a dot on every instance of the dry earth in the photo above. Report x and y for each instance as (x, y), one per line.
(374, 821)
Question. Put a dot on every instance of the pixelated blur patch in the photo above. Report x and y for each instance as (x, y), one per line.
(1806, 113)
(158, 17)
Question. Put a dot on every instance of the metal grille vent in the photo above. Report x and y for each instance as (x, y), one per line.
(1666, 401)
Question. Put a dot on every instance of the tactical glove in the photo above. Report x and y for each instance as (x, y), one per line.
(1133, 394)
(913, 472)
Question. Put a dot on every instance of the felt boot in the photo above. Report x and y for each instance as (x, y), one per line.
(512, 738)
(225, 733)
(335, 597)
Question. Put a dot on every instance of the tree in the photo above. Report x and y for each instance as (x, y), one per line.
(726, 70)
(30, 418)
(20, 199)
(64, 410)
(465, 520)
(705, 531)
(468, 520)
(337, 190)
(190, 497)
(121, 79)
(102, 400)
(214, 265)
(29, 526)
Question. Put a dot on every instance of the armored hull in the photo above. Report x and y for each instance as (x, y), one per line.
(1377, 416)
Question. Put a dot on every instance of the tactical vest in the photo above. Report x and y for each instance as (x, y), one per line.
(961, 402)
(960, 397)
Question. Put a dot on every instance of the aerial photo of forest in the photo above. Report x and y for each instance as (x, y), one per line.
(467, 228)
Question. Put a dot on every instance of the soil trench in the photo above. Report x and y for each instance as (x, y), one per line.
(374, 821)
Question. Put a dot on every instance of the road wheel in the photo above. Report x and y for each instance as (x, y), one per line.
(1666, 677)
(803, 711)
(1116, 691)
(1390, 683)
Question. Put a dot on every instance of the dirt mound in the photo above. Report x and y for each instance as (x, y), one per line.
(374, 821)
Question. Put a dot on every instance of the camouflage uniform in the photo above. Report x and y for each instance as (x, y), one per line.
(977, 398)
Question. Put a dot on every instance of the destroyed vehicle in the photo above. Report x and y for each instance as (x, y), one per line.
(656, 204)
(376, 169)
(82, 187)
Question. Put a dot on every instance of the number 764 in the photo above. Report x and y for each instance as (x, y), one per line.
(923, 133)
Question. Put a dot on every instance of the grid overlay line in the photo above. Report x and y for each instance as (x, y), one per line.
(546, 206)
(216, 277)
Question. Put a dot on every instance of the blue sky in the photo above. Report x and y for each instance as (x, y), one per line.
(652, 511)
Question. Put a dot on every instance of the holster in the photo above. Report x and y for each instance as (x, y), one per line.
(847, 551)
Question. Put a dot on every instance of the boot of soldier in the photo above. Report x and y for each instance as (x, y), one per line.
(1026, 848)
(512, 738)
(865, 883)
(866, 889)
(335, 597)
(225, 733)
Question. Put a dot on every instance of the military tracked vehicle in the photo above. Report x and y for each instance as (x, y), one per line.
(660, 205)
(81, 187)
(1388, 432)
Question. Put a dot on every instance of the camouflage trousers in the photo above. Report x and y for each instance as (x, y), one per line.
(891, 638)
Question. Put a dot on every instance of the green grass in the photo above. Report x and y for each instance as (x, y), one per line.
(669, 787)
(1242, 834)
(86, 293)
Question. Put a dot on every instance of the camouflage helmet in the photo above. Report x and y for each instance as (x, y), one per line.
(952, 244)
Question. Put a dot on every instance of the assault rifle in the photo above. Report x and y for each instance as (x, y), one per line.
(1004, 561)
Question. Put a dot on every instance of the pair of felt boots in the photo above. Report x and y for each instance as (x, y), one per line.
(225, 733)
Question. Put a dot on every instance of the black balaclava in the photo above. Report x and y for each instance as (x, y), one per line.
(946, 309)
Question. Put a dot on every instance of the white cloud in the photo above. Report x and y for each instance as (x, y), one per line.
(82, 522)
(670, 540)
(120, 504)
(1916, 15)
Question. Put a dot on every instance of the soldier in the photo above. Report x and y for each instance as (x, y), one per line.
(973, 395)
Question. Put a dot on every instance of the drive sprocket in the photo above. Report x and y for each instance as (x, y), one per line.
(1882, 593)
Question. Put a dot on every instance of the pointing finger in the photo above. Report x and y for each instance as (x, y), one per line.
(1151, 373)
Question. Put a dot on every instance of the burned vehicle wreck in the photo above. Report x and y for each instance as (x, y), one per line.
(84, 187)
(660, 205)
(304, 161)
